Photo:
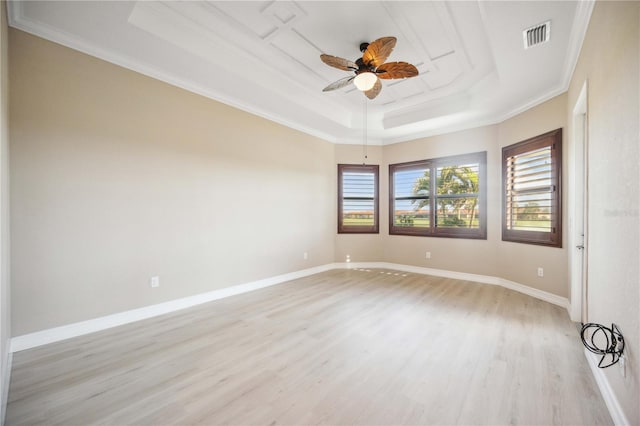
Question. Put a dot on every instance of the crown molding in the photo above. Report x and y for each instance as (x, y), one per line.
(584, 9)
(324, 125)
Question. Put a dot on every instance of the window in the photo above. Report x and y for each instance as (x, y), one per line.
(357, 199)
(531, 180)
(443, 197)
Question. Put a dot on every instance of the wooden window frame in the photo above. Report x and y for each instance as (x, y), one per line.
(552, 140)
(359, 229)
(433, 230)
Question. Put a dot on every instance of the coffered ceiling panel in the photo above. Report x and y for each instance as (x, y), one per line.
(264, 56)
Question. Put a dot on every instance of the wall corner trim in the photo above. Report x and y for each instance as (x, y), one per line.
(609, 396)
(5, 388)
(56, 334)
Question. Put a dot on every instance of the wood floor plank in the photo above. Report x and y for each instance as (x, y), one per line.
(363, 347)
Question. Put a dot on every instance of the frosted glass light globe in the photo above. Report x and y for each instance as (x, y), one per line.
(365, 81)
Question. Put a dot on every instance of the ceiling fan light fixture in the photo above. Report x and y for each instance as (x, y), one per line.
(371, 68)
(365, 81)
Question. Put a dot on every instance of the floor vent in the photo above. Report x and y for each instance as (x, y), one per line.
(536, 35)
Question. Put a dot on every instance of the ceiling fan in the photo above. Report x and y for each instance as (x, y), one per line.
(370, 68)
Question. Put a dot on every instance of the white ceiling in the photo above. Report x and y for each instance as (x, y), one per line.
(263, 56)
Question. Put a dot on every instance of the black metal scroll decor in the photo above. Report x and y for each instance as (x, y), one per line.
(604, 341)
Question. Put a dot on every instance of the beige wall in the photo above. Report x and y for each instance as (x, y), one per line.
(117, 177)
(493, 257)
(5, 305)
(519, 262)
(609, 63)
(461, 255)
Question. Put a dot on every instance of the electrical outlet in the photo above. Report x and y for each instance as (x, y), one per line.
(305, 255)
(348, 259)
(154, 282)
(427, 255)
(540, 272)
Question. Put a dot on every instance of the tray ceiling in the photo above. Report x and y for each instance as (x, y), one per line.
(263, 56)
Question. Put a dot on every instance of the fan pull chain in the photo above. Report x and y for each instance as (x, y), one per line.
(364, 143)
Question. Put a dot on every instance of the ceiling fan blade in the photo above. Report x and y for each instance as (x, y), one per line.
(339, 84)
(374, 91)
(396, 70)
(340, 63)
(378, 51)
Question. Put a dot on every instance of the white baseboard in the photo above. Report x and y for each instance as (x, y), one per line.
(610, 399)
(534, 292)
(56, 334)
(484, 279)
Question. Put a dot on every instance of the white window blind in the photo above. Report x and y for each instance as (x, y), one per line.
(357, 198)
(530, 191)
(411, 197)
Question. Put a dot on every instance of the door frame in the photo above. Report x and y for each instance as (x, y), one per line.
(577, 204)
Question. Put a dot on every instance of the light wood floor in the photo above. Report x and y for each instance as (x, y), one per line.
(342, 347)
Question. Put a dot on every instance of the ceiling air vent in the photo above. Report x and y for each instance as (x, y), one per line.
(536, 35)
